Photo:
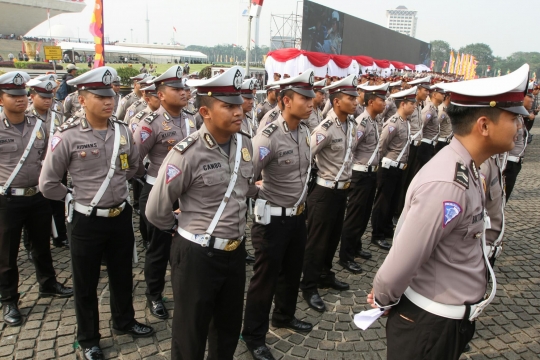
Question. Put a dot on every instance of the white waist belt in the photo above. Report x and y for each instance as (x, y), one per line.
(150, 180)
(456, 312)
(330, 183)
(388, 163)
(29, 191)
(428, 141)
(443, 139)
(278, 211)
(365, 168)
(204, 240)
(515, 159)
(112, 212)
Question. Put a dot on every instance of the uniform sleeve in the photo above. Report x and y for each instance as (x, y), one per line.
(144, 138)
(327, 108)
(133, 156)
(121, 111)
(260, 112)
(54, 167)
(127, 117)
(440, 206)
(386, 137)
(174, 178)
(319, 140)
(262, 154)
(67, 107)
(426, 115)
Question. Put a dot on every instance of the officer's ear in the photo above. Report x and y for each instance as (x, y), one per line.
(82, 97)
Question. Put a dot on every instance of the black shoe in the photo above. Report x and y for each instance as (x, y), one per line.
(12, 315)
(332, 282)
(294, 325)
(137, 330)
(467, 348)
(58, 290)
(60, 242)
(93, 353)
(364, 254)
(383, 244)
(250, 259)
(351, 266)
(314, 301)
(261, 353)
(158, 309)
(146, 244)
(29, 253)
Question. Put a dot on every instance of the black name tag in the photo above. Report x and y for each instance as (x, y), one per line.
(6, 141)
(478, 217)
(87, 146)
(211, 166)
(170, 133)
(283, 153)
(337, 141)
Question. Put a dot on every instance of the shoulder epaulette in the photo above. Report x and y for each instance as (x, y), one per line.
(183, 145)
(140, 114)
(393, 119)
(363, 122)
(245, 133)
(273, 114)
(462, 175)
(326, 125)
(127, 96)
(269, 130)
(137, 103)
(188, 112)
(151, 117)
(69, 124)
(115, 119)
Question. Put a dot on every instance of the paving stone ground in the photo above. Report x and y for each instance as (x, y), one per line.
(509, 328)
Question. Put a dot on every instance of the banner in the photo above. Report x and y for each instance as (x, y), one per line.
(97, 29)
(452, 62)
(432, 65)
(443, 66)
(456, 68)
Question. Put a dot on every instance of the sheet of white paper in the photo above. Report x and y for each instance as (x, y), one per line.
(364, 319)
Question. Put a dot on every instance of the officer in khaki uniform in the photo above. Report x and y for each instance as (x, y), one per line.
(332, 143)
(360, 98)
(99, 153)
(248, 125)
(445, 130)
(71, 105)
(433, 281)
(209, 173)
(269, 103)
(42, 92)
(316, 115)
(23, 144)
(138, 82)
(390, 108)
(118, 97)
(153, 103)
(154, 137)
(282, 156)
(364, 178)
(136, 107)
(393, 151)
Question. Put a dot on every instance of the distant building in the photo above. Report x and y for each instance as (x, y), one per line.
(402, 20)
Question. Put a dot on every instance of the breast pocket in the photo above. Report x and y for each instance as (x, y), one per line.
(8, 151)
(466, 247)
(337, 147)
(287, 161)
(212, 179)
(39, 144)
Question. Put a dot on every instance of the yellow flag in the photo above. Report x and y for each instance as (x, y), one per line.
(451, 62)
(456, 67)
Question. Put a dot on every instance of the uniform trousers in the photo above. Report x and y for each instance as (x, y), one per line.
(208, 287)
(386, 202)
(279, 248)
(440, 145)
(361, 197)
(158, 252)
(424, 153)
(413, 333)
(137, 189)
(33, 213)
(93, 238)
(408, 175)
(325, 222)
(510, 176)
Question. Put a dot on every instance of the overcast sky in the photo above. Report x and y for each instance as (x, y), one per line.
(507, 26)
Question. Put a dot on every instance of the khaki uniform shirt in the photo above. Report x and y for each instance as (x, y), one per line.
(359, 110)
(267, 119)
(116, 102)
(327, 108)
(134, 109)
(367, 136)
(492, 178)
(191, 106)
(197, 172)
(47, 118)
(314, 119)
(394, 137)
(415, 121)
(445, 123)
(437, 247)
(125, 104)
(263, 108)
(329, 143)
(135, 120)
(58, 106)
(521, 143)
(12, 146)
(71, 104)
(430, 121)
(81, 150)
(157, 134)
(283, 162)
(247, 125)
(389, 110)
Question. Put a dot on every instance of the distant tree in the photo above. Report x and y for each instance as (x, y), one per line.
(440, 52)
(516, 60)
(482, 53)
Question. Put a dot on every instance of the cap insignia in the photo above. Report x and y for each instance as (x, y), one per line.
(237, 82)
(311, 79)
(18, 80)
(179, 72)
(107, 78)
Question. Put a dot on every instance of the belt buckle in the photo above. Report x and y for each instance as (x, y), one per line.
(374, 168)
(346, 185)
(30, 191)
(300, 209)
(114, 212)
(232, 245)
(404, 166)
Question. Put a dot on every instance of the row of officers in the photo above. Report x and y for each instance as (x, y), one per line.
(201, 170)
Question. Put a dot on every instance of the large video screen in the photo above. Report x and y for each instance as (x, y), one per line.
(357, 37)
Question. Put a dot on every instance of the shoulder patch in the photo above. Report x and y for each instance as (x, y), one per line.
(183, 145)
(68, 125)
(245, 133)
(151, 117)
(188, 112)
(270, 129)
(326, 125)
(462, 175)
(141, 114)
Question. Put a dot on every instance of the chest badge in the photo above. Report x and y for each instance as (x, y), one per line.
(245, 154)
(191, 124)
(123, 140)
(39, 135)
(166, 126)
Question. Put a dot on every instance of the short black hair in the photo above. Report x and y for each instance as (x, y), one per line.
(398, 102)
(463, 118)
(338, 95)
(367, 97)
(84, 93)
(288, 93)
(204, 100)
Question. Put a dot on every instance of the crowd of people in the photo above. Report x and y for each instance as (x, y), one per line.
(430, 159)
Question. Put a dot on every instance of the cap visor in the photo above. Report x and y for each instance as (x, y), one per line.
(234, 100)
(306, 93)
(520, 110)
(247, 96)
(102, 92)
(45, 95)
(15, 92)
(175, 84)
(352, 93)
(381, 96)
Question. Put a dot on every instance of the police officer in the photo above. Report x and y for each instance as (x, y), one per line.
(393, 150)
(269, 103)
(272, 115)
(434, 278)
(316, 115)
(516, 155)
(71, 105)
(332, 143)
(46, 108)
(360, 106)
(99, 153)
(138, 82)
(23, 144)
(154, 137)
(364, 178)
(118, 97)
(390, 108)
(282, 155)
(248, 123)
(445, 131)
(153, 103)
(208, 252)
(140, 104)
(430, 127)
